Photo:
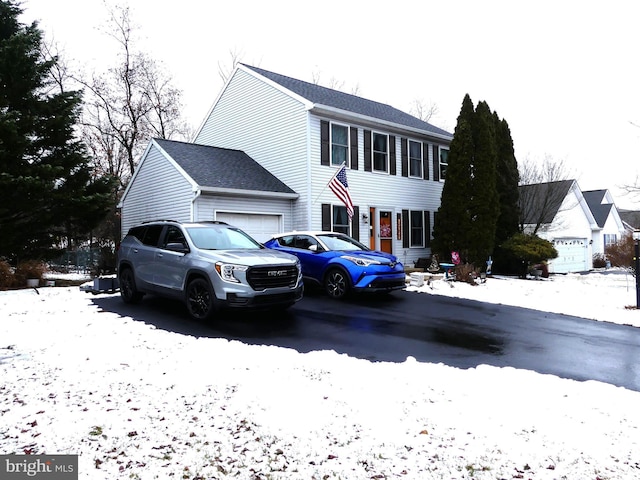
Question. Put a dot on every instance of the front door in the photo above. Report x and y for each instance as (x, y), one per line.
(372, 228)
(386, 231)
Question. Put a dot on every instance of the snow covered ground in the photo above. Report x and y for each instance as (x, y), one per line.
(138, 402)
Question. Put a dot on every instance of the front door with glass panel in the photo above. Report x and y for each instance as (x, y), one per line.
(386, 236)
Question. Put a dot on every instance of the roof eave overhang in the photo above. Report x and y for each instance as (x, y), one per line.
(236, 192)
(365, 119)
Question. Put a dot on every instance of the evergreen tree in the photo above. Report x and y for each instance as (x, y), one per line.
(452, 223)
(483, 197)
(46, 183)
(507, 181)
(479, 204)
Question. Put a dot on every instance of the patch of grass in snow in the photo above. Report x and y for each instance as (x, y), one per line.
(472, 469)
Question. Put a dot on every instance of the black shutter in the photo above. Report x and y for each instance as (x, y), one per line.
(324, 143)
(405, 228)
(355, 223)
(436, 163)
(425, 160)
(404, 157)
(354, 148)
(367, 150)
(326, 217)
(392, 155)
(427, 228)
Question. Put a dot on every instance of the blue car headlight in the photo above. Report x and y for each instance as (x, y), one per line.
(361, 262)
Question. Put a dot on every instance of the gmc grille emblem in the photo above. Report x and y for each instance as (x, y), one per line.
(276, 273)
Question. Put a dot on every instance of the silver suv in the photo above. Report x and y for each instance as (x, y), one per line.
(207, 265)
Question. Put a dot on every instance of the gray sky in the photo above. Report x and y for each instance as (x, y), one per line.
(563, 74)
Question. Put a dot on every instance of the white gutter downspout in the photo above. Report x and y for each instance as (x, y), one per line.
(308, 222)
(196, 194)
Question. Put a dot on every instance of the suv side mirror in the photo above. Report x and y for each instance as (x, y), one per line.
(177, 247)
(313, 248)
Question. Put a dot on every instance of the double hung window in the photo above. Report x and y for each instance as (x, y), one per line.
(444, 162)
(380, 152)
(339, 144)
(416, 228)
(415, 159)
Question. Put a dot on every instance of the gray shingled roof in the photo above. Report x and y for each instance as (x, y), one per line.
(632, 217)
(540, 202)
(599, 210)
(350, 103)
(221, 167)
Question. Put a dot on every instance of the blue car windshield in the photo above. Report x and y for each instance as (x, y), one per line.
(216, 238)
(341, 242)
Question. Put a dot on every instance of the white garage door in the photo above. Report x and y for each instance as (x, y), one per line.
(259, 226)
(572, 255)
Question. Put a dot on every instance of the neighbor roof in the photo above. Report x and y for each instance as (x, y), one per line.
(540, 202)
(215, 167)
(631, 217)
(350, 103)
(599, 210)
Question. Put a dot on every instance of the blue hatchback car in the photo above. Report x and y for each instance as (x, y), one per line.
(341, 264)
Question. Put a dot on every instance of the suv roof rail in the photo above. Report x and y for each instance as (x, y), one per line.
(217, 222)
(160, 220)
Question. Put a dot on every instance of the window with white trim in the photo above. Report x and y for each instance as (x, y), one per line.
(415, 159)
(416, 228)
(380, 152)
(443, 162)
(610, 239)
(340, 219)
(339, 144)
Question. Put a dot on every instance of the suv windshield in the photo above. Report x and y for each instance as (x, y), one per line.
(215, 238)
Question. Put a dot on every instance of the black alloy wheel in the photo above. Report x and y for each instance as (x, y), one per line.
(200, 301)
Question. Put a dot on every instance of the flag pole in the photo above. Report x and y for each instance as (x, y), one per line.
(327, 184)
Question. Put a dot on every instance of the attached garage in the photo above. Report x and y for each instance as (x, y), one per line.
(259, 226)
(573, 255)
(187, 182)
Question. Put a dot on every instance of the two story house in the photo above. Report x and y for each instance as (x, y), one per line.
(297, 135)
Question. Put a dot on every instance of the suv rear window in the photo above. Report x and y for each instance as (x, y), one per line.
(147, 234)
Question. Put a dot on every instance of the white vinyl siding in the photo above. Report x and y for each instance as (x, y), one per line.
(267, 124)
(160, 191)
(368, 189)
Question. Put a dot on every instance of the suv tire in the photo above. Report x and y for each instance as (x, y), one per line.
(128, 290)
(200, 299)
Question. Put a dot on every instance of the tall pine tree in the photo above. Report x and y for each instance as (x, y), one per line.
(508, 180)
(477, 204)
(452, 226)
(47, 188)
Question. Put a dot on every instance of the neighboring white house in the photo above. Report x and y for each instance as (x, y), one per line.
(299, 134)
(579, 224)
(611, 228)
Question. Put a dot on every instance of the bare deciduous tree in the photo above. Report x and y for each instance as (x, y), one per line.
(129, 104)
(423, 110)
(224, 71)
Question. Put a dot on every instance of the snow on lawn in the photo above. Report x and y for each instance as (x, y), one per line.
(134, 401)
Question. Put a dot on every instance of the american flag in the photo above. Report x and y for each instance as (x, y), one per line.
(338, 185)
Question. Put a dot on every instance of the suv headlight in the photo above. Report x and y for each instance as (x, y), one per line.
(227, 271)
(362, 262)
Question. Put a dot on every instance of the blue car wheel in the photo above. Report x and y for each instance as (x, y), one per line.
(336, 283)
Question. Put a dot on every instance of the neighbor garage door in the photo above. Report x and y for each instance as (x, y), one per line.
(572, 255)
(259, 226)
